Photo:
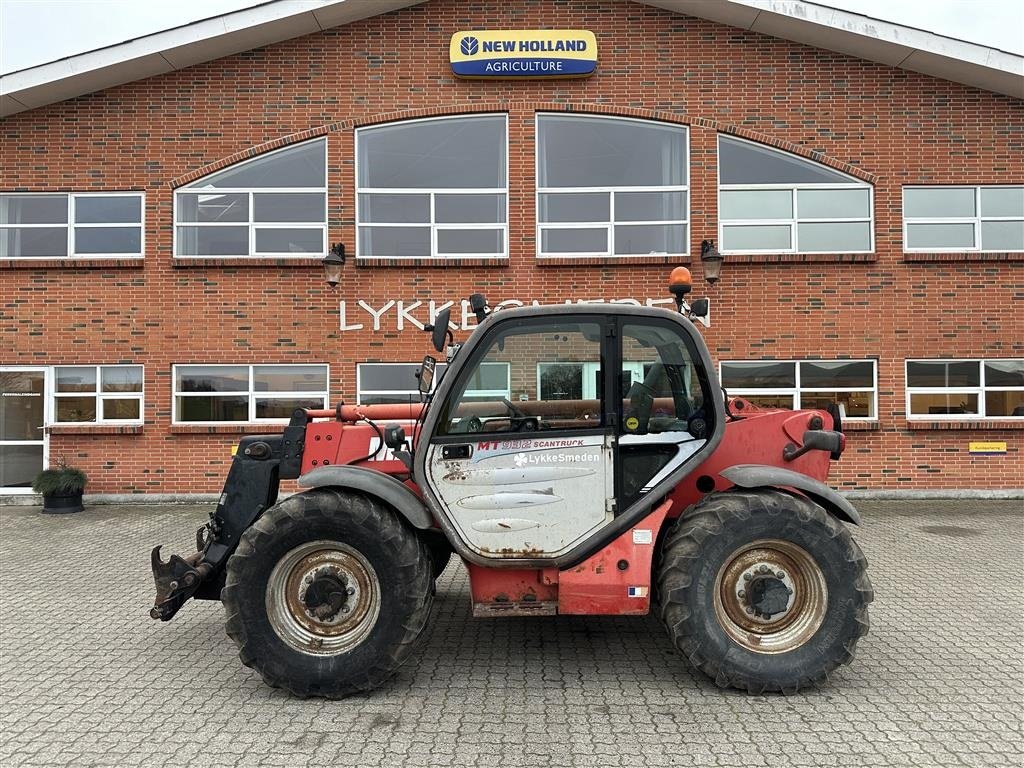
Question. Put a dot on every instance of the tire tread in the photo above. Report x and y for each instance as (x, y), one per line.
(323, 505)
(683, 548)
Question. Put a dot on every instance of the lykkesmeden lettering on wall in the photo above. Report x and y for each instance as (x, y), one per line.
(403, 315)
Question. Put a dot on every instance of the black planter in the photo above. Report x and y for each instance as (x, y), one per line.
(62, 503)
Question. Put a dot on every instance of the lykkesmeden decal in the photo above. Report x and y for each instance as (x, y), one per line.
(517, 54)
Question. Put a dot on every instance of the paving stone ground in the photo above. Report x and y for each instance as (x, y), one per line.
(87, 678)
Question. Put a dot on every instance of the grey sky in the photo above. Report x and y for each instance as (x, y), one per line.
(37, 31)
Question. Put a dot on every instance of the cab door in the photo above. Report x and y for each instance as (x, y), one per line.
(665, 421)
(522, 459)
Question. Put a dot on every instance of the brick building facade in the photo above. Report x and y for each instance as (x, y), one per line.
(883, 129)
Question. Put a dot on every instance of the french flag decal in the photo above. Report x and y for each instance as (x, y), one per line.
(638, 592)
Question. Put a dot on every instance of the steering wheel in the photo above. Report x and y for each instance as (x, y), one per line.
(473, 424)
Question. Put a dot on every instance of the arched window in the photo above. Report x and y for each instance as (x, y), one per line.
(774, 202)
(274, 205)
(609, 186)
(433, 188)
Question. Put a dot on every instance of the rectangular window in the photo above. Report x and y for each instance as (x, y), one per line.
(798, 384)
(435, 188)
(214, 394)
(798, 219)
(965, 389)
(557, 381)
(399, 382)
(611, 187)
(97, 394)
(85, 225)
(984, 219)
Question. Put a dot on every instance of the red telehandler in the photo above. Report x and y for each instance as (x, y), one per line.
(579, 459)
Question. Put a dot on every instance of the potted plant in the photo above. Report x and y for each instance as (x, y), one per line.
(62, 488)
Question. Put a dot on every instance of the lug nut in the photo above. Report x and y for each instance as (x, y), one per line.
(781, 575)
(350, 591)
(749, 609)
(742, 593)
(764, 569)
(746, 577)
(344, 609)
(173, 585)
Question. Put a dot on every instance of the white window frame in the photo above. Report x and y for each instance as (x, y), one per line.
(588, 390)
(433, 192)
(251, 393)
(70, 225)
(252, 224)
(979, 390)
(609, 225)
(975, 220)
(413, 394)
(438, 373)
(97, 394)
(587, 371)
(796, 391)
(793, 222)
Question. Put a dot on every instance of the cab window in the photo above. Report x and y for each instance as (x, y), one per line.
(659, 384)
(553, 376)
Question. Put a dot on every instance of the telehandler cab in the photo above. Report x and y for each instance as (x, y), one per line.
(579, 459)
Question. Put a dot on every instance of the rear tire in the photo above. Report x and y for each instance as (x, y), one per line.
(763, 591)
(327, 594)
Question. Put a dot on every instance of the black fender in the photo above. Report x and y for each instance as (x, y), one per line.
(764, 476)
(373, 483)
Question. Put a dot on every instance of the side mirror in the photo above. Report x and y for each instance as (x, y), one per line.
(439, 334)
(427, 374)
(700, 307)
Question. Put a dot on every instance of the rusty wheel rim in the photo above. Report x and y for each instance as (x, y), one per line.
(318, 626)
(770, 596)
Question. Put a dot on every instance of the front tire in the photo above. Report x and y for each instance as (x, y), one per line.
(327, 594)
(763, 591)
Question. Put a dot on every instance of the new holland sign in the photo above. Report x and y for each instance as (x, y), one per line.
(523, 54)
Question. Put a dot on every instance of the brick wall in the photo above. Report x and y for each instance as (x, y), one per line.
(888, 126)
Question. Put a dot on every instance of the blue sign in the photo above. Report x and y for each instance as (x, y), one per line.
(523, 54)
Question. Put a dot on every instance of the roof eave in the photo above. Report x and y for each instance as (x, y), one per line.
(816, 25)
(179, 48)
(866, 38)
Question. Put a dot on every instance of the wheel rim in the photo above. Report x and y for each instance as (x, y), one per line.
(323, 598)
(770, 596)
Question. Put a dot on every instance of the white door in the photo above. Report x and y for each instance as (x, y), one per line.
(530, 475)
(23, 441)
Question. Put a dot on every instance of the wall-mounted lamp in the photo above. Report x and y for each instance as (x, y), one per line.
(711, 259)
(332, 264)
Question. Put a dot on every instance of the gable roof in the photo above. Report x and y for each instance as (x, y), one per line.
(270, 22)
